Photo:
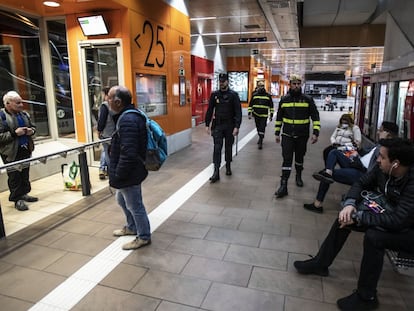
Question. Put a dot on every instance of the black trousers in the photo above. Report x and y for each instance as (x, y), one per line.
(293, 146)
(222, 132)
(260, 125)
(18, 180)
(375, 243)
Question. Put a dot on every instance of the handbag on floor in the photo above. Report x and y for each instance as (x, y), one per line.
(71, 176)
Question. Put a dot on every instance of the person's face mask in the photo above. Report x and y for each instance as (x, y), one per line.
(344, 125)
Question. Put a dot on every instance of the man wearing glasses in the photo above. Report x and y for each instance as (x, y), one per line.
(292, 123)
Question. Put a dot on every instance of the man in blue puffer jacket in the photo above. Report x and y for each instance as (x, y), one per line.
(126, 169)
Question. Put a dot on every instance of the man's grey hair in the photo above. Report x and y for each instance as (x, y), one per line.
(123, 94)
(9, 96)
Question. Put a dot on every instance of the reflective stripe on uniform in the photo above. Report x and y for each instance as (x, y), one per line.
(261, 97)
(290, 121)
(260, 115)
(261, 106)
(286, 105)
(317, 125)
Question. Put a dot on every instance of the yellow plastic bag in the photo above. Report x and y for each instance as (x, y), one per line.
(71, 176)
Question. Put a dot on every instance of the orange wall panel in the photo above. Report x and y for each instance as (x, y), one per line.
(155, 40)
(238, 63)
(74, 35)
(158, 48)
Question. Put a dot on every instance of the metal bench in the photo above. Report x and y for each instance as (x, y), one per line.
(401, 262)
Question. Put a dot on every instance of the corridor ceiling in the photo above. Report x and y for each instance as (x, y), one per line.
(295, 36)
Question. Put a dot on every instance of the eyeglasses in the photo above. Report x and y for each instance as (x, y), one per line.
(295, 83)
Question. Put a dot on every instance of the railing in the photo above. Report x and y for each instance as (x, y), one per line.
(83, 163)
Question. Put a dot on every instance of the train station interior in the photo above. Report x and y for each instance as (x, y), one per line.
(219, 246)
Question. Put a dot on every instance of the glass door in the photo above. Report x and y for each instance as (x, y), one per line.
(101, 66)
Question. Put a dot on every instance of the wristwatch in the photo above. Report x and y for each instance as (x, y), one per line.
(356, 217)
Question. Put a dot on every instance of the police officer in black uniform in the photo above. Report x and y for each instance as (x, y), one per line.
(261, 107)
(224, 113)
(295, 110)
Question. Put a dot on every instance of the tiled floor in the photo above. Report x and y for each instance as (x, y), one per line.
(228, 246)
(52, 198)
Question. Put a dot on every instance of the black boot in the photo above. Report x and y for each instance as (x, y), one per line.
(216, 175)
(282, 191)
(299, 181)
(260, 142)
(228, 169)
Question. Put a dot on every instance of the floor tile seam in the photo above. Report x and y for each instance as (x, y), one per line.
(56, 223)
(157, 217)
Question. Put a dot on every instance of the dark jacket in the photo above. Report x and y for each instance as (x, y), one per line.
(9, 141)
(261, 104)
(399, 194)
(128, 145)
(106, 124)
(227, 107)
(294, 113)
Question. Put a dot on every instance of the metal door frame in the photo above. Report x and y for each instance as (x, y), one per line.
(82, 46)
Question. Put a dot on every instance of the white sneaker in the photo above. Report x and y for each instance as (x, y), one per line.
(123, 231)
(137, 243)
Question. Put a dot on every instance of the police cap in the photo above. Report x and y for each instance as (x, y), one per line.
(223, 77)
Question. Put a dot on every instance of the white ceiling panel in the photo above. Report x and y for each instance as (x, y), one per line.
(225, 22)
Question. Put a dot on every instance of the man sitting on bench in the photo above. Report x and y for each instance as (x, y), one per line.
(392, 228)
(349, 175)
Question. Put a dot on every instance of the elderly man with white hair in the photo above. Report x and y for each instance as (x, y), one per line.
(16, 131)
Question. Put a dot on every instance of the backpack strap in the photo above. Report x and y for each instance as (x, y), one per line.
(137, 111)
(3, 120)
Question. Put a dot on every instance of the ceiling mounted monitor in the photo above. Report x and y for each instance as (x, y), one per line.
(93, 25)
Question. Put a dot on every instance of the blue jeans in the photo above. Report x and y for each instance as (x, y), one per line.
(130, 199)
(104, 160)
(346, 175)
(337, 156)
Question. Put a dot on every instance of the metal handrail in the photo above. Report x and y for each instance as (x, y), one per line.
(83, 164)
(43, 158)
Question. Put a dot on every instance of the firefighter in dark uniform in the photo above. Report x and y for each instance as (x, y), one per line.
(224, 113)
(292, 122)
(261, 106)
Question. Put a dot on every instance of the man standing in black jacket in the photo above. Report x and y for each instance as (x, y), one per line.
(126, 169)
(391, 229)
(224, 113)
(295, 110)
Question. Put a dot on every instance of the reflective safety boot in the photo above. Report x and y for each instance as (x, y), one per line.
(228, 169)
(282, 191)
(299, 181)
(216, 176)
